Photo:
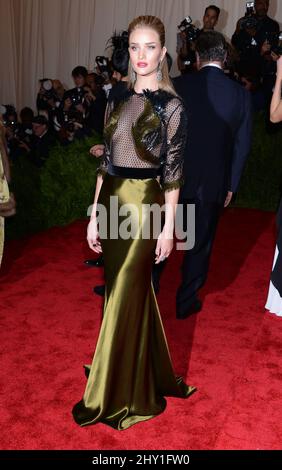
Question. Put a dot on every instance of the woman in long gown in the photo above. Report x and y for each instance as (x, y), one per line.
(274, 299)
(145, 133)
(7, 201)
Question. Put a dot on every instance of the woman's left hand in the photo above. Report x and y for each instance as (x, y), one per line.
(164, 247)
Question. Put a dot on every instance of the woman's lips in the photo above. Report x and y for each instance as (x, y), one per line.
(141, 64)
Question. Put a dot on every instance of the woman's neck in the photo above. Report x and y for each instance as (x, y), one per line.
(146, 83)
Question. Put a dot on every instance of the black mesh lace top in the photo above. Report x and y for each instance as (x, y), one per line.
(147, 130)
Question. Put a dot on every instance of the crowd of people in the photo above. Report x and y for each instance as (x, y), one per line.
(65, 115)
(62, 116)
(252, 54)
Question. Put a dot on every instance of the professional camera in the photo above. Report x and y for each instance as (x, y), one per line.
(103, 66)
(249, 21)
(275, 41)
(187, 52)
(9, 116)
(77, 96)
(47, 89)
(191, 31)
(13, 125)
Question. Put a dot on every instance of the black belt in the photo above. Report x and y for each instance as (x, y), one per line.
(132, 173)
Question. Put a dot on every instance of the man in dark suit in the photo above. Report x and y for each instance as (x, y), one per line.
(42, 140)
(218, 142)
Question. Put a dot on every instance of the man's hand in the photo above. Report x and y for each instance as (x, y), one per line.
(228, 198)
(24, 146)
(274, 56)
(265, 48)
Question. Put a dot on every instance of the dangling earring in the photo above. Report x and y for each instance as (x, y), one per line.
(159, 73)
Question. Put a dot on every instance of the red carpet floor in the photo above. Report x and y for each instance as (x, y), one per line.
(232, 350)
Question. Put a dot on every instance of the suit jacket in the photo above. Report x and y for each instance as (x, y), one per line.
(218, 134)
(41, 147)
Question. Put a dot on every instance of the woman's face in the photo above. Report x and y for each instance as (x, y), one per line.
(145, 51)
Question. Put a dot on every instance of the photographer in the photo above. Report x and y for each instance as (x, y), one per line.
(69, 123)
(76, 95)
(48, 99)
(254, 38)
(104, 71)
(73, 119)
(186, 38)
(23, 133)
(12, 128)
(41, 142)
(96, 106)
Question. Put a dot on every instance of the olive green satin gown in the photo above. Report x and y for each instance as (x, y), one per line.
(131, 372)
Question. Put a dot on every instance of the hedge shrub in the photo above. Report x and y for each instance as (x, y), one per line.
(56, 194)
(62, 190)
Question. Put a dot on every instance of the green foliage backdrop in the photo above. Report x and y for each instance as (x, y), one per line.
(56, 194)
(260, 186)
(61, 192)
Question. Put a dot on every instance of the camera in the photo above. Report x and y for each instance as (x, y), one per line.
(275, 41)
(47, 89)
(277, 47)
(191, 31)
(104, 66)
(13, 125)
(249, 21)
(71, 119)
(9, 117)
(187, 52)
(77, 96)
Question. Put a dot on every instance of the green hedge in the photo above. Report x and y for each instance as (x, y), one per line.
(56, 194)
(260, 186)
(61, 192)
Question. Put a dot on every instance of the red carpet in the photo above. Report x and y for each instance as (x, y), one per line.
(232, 350)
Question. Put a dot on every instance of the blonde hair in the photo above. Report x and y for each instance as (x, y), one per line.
(156, 24)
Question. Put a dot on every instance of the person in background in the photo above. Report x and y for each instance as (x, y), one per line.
(253, 39)
(42, 141)
(7, 200)
(186, 48)
(274, 299)
(220, 123)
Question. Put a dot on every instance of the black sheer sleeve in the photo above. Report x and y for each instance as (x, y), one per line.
(172, 174)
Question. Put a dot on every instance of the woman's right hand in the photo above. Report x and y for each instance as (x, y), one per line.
(93, 236)
(97, 150)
